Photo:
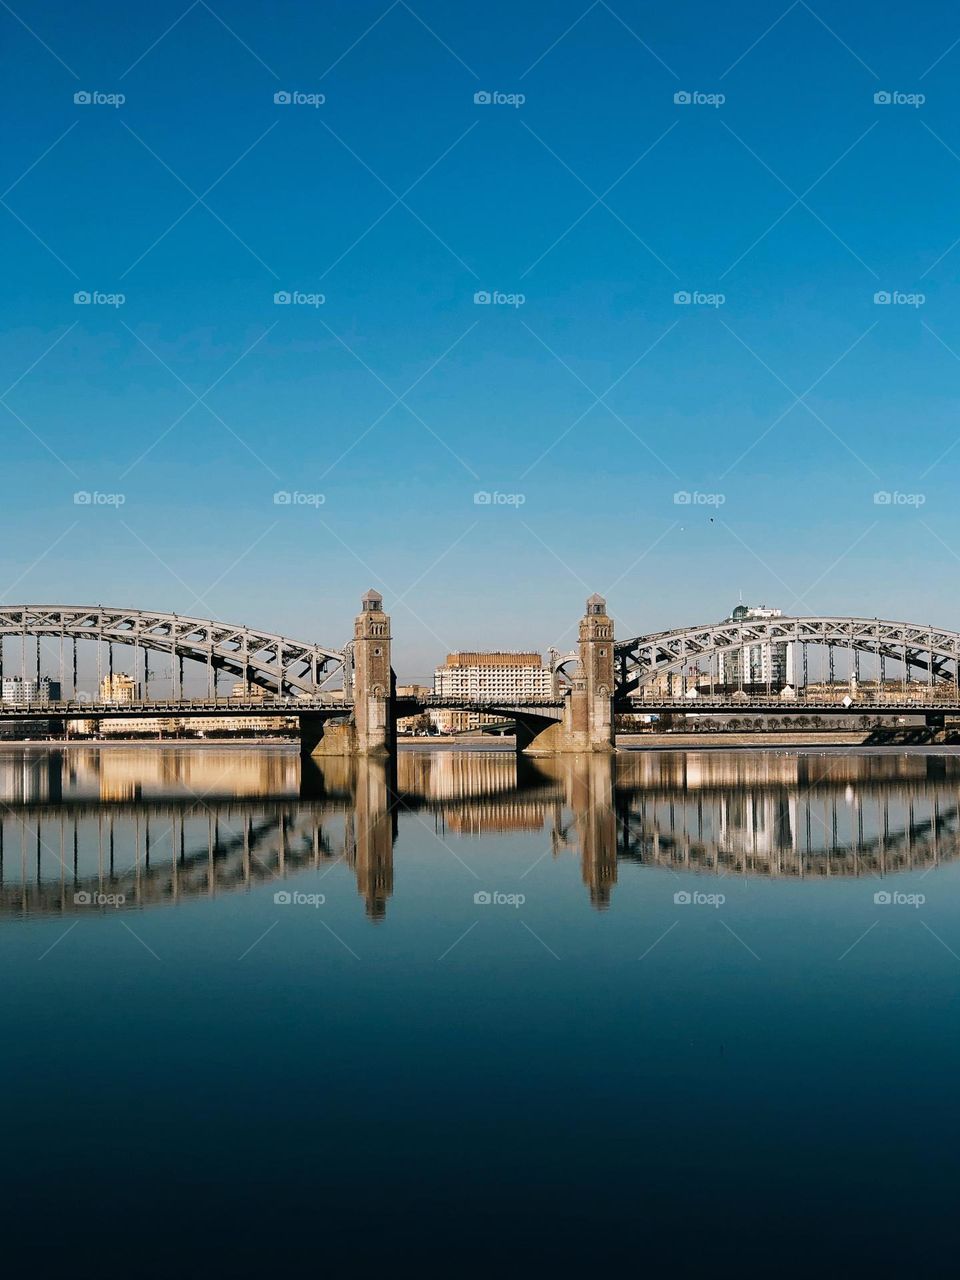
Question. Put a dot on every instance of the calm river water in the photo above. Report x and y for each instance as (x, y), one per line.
(695, 1012)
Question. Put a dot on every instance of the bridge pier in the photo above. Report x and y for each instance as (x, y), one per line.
(538, 736)
(321, 735)
(587, 723)
(372, 727)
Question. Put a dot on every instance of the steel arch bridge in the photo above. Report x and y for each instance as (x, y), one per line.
(931, 649)
(274, 662)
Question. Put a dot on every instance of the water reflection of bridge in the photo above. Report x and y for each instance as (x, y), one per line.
(160, 826)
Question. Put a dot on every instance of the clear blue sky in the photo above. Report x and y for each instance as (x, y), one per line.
(598, 199)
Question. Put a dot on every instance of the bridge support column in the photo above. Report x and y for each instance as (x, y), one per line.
(318, 736)
(936, 720)
(372, 728)
(57, 727)
(587, 723)
(373, 710)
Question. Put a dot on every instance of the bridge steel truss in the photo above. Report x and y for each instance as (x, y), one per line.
(284, 667)
(930, 649)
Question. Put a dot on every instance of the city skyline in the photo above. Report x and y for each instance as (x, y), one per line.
(697, 394)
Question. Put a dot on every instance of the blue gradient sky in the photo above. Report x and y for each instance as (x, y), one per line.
(703, 398)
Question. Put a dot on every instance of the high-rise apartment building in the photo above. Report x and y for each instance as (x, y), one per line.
(766, 663)
(18, 692)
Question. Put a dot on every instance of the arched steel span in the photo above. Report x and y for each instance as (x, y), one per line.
(559, 662)
(930, 649)
(274, 662)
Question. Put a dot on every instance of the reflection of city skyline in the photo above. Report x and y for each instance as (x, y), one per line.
(166, 824)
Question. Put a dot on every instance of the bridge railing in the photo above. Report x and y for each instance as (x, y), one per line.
(270, 706)
(483, 700)
(944, 697)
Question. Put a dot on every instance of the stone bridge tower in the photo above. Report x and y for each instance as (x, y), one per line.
(593, 717)
(373, 679)
(587, 723)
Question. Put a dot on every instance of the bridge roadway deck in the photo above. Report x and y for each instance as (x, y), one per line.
(549, 706)
(785, 707)
(409, 706)
(169, 708)
(328, 704)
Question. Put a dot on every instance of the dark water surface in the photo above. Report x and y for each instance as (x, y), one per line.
(689, 1012)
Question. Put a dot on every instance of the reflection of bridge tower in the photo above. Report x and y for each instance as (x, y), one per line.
(591, 799)
(370, 832)
(588, 792)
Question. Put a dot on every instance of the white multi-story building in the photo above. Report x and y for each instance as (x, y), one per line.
(17, 692)
(488, 677)
(767, 663)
